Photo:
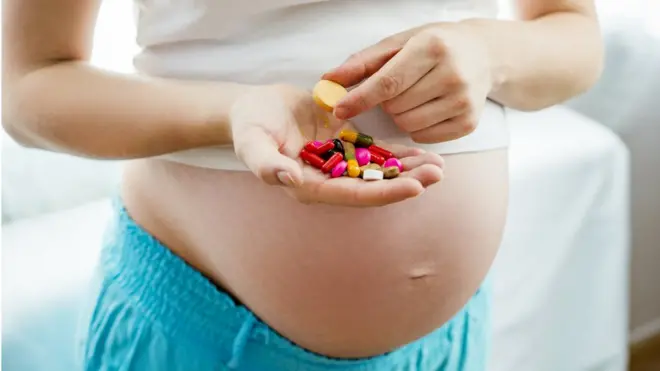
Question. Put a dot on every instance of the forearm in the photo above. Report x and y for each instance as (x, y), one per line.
(77, 109)
(542, 62)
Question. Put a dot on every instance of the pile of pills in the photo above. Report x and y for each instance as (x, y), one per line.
(352, 154)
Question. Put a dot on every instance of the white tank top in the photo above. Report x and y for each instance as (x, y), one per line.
(295, 42)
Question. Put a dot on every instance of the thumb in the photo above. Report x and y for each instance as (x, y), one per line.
(261, 154)
(361, 65)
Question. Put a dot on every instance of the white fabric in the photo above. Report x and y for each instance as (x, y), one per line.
(295, 42)
(626, 100)
(560, 278)
(36, 182)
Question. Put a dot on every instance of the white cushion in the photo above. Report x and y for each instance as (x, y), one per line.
(36, 182)
(47, 264)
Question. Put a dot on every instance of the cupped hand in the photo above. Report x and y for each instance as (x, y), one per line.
(271, 124)
(432, 80)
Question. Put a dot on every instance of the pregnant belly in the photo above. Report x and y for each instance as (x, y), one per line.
(342, 282)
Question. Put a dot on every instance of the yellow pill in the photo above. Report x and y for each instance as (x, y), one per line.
(348, 135)
(353, 168)
(327, 94)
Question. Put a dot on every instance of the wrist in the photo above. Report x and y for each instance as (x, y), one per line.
(497, 66)
(216, 100)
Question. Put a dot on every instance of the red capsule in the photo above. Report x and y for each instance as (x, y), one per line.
(332, 162)
(377, 159)
(325, 147)
(310, 147)
(319, 149)
(381, 151)
(312, 159)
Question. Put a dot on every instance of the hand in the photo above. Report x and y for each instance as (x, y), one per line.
(433, 81)
(271, 124)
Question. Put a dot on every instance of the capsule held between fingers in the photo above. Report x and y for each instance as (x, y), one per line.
(327, 94)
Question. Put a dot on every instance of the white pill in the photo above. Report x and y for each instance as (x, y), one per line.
(371, 174)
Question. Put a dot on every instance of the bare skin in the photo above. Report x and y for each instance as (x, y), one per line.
(390, 280)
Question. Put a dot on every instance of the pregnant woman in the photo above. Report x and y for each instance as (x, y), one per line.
(225, 251)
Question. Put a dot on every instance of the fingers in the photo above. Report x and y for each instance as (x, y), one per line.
(424, 91)
(358, 193)
(427, 158)
(447, 130)
(362, 65)
(415, 60)
(261, 154)
(431, 113)
(426, 174)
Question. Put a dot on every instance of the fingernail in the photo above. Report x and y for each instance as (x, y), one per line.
(286, 179)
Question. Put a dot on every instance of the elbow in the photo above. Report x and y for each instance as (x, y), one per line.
(24, 119)
(13, 125)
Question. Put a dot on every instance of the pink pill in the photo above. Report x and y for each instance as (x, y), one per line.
(393, 161)
(339, 169)
(363, 156)
(317, 143)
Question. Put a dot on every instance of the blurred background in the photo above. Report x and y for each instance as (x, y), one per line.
(578, 276)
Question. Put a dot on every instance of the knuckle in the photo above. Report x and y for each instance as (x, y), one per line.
(354, 57)
(462, 104)
(454, 82)
(389, 85)
(434, 46)
(265, 175)
(389, 107)
(468, 125)
(404, 122)
(421, 138)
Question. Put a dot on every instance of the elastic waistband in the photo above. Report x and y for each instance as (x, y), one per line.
(188, 307)
(166, 289)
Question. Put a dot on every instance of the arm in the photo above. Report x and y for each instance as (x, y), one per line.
(551, 54)
(434, 80)
(54, 100)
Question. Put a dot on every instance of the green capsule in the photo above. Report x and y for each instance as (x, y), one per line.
(359, 139)
(349, 151)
